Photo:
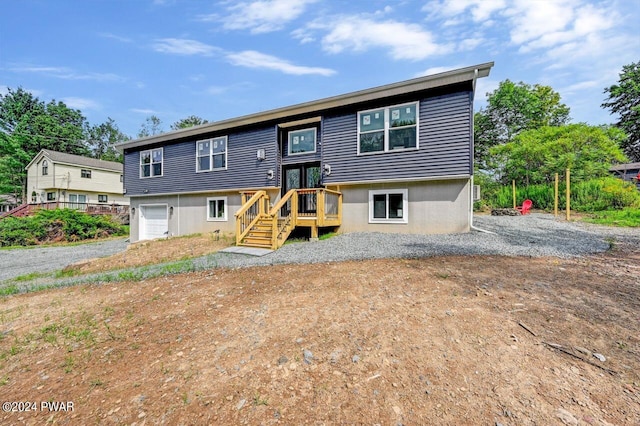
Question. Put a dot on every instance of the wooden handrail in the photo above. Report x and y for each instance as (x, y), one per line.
(249, 204)
(243, 224)
(274, 213)
(283, 200)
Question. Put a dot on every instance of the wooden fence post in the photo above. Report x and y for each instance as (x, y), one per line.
(555, 198)
(568, 194)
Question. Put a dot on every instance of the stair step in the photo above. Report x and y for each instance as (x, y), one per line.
(245, 244)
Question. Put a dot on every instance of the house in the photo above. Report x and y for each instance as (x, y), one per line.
(395, 158)
(629, 172)
(57, 179)
(8, 202)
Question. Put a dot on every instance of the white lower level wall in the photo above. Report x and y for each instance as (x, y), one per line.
(434, 207)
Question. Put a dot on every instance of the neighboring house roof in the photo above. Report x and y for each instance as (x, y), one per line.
(8, 199)
(77, 160)
(309, 108)
(623, 167)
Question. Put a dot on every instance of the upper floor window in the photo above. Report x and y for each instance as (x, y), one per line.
(388, 129)
(302, 141)
(151, 163)
(45, 168)
(211, 154)
(85, 173)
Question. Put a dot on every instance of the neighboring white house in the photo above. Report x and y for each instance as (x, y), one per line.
(73, 181)
(8, 202)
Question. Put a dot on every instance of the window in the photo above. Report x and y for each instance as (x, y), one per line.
(45, 168)
(211, 154)
(388, 129)
(302, 141)
(217, 209)
(103, 198)
(389, 206)
(151, 163)
(85, 173)
(51, 196)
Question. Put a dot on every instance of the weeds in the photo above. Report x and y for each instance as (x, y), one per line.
(258, 400)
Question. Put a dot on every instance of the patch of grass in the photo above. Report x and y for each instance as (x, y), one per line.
(31, 276)
(179, 267)
(628, 217)
(9, 290)
(327, 236)
(69, 362)
(4, 380)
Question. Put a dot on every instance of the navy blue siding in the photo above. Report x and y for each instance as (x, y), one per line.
(444, 145)
(179, 167)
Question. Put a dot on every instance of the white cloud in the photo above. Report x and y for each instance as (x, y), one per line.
(253, 59)
(260, 16)
(65, 73)
(116, 37)
(438, 70)
(359, 34)
(481, 10)
(144, 111)
(80, 103)
(180, 46)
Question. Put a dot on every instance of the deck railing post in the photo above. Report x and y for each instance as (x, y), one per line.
(320, 212)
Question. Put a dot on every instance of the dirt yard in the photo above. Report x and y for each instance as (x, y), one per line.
(445, 340)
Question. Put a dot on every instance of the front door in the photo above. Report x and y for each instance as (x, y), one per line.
(299, 176)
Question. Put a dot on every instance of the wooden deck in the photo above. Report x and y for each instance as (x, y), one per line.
(258, 224)
(89, 208)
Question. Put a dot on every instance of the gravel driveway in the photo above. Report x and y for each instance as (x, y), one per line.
(14, 263)
(531, 235)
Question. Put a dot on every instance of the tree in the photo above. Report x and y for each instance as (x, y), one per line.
(624, 100)
(513, 108)
(102, 139)
(28, 125)
(190, 121)
(534, 156)
(152, 126)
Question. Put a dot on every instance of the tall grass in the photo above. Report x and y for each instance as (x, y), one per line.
(586, 196)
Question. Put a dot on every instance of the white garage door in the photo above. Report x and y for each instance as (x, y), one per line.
(153, 222)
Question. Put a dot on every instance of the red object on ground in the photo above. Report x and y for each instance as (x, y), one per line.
(526, 206)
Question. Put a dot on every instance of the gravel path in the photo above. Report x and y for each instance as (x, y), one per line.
(534, 235)
(14, 263)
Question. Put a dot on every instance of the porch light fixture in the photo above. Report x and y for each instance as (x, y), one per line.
(261, 154)
(171, 211)
(270, 174)
(327, 169)
(133, 211)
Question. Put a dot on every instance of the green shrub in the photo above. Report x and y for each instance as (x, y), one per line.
(61, 225)
(588, 196)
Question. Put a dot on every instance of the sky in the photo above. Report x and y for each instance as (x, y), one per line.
(130, 59)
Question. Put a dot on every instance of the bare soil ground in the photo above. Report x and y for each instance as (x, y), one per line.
(156, 251)
(443, 340)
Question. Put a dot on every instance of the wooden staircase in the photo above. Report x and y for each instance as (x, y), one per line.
(260, 225)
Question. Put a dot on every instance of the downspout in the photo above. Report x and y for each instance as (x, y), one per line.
(473, 228)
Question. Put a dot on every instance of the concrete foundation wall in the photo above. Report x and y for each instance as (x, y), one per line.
(435, 207)
(190, 213)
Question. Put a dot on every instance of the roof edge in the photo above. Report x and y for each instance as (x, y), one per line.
(413, 85)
